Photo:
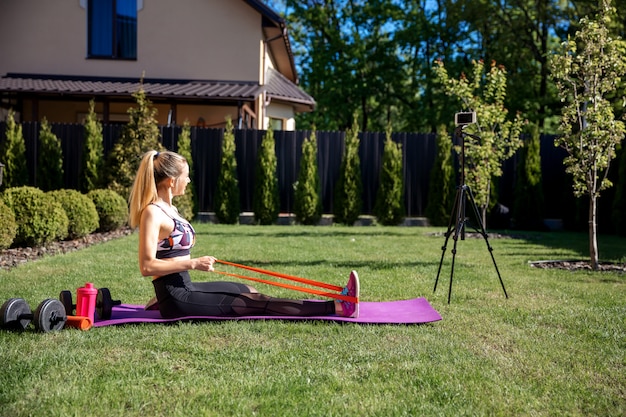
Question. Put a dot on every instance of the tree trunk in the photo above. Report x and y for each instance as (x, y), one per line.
(593, 237)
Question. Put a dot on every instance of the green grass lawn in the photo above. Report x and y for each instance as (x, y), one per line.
(556, 347)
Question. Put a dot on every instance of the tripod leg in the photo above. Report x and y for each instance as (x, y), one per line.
(451, 222)
(484, 234)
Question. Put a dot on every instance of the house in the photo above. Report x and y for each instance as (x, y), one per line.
(197, 60)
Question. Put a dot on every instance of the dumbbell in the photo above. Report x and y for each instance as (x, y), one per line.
(49, 316)
(104, 303)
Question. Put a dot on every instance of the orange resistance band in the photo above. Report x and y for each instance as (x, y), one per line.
(342, 297)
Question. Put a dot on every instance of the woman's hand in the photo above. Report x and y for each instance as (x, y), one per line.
(203, 263)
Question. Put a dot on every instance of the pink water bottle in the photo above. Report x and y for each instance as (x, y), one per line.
(86, 301)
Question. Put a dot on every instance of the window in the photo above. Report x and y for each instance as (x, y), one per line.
(112, 29)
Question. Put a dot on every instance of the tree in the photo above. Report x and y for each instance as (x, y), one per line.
(492, 139)
(348, 189)
(308, 201)
(185, 203)
(266, 200)
(587, 70)
(227, 194)
(93, 152)
(140, 135)
(389, 206)
(442, 183)
(14, 155)
(50, 159)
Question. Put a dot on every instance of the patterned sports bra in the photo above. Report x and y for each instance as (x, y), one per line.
(179, 242)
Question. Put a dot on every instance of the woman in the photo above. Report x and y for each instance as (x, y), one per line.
(165, 241)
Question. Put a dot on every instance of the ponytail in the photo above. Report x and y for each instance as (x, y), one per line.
(144, 189)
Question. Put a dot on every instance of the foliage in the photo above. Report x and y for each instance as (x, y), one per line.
(50, 159)
(528, 205)
(492, 139)
(140, 135)
(39, 218)
(93, 152)
(8, 226)
(227, 194)
(348, 189)
(619, 203)
(111, 207)
(13, 155)
(307, 195)
(442, 182)
(186, 202)
(389, 206)
(266, 200)
(81, 212)
(587, 70)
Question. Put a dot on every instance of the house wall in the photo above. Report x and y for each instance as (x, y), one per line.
(186, 39)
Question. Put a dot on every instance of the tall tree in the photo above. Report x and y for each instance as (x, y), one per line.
(587, 70)
(493, 138)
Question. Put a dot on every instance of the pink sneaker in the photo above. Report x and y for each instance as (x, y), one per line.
(351, 289)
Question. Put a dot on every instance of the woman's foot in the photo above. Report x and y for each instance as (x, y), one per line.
(352, 289)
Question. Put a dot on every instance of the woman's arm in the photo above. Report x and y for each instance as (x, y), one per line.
(152, 225)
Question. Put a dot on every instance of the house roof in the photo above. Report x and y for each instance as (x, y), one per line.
(278, 87)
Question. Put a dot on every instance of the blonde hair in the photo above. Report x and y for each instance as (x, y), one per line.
(153, 168)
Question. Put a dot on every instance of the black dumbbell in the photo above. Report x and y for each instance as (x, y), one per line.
(49, 316)
(104, 303)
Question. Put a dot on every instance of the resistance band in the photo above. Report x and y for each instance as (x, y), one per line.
(342, 297)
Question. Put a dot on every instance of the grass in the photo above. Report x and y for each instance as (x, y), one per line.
(557, 346)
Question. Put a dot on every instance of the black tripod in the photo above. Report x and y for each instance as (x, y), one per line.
(456, 226)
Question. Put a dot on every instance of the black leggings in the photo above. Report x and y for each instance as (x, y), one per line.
(178, 296)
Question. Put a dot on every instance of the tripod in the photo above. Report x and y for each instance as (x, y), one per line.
(458, 219)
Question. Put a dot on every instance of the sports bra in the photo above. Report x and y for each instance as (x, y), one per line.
(179, 242)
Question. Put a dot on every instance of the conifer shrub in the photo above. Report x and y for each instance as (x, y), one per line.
(81, 212)
(529, 202)
(185, 203)
(389, 205)
(50, 159)
(140, 135)
(442, 184)
(39, 218)
(93, 152)
(13, 155)
(8, 226)
(111, 207)
(266, 200)
(227, 201)
(307, 195)
(348, 189)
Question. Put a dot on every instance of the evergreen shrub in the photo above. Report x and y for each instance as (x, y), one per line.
(307, 195)
(50, 159)
(13, 155)
(348, 189)
(266, 200)
(185, 203)
(389, 206)
(8, 226)
(227, 202)
(81, 212)
(93, 152)
(111, 207)
(39, 218)
(529, 203)
(442, 184)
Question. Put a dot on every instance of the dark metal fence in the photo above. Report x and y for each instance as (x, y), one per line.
(419, 152)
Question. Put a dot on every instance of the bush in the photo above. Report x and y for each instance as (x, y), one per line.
(308, 201)
(389, 207)
(348, 190)
(8, 226)
(111, 207)
(50, 159)
(528, 205)
(185, 203)
(442, 185)
(40, 219)
(93, 151)
(81, 212)
(227, 194)
(266, 198)
(13, 155)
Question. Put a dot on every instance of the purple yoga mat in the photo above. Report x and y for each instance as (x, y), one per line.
(413, 311)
